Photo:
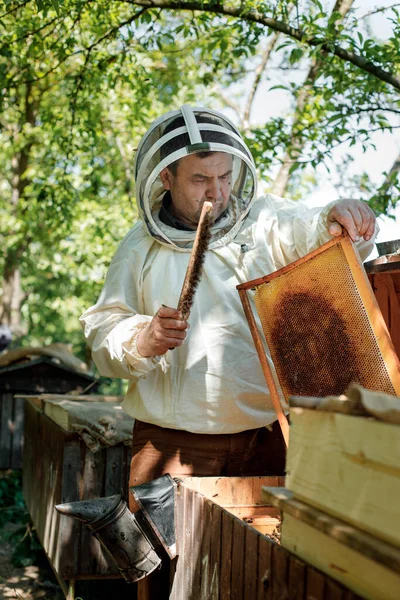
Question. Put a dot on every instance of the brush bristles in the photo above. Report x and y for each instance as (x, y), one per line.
(204, 236)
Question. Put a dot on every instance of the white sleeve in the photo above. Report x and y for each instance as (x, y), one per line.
(303, 229)
(111, 324)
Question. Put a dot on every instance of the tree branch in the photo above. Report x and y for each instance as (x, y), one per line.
(378, 10)
(296, 144)
(254, 16)
(395, 168)
(257, 80)
(87, 49)
(30, 33)
(108, 34)
(15, 8)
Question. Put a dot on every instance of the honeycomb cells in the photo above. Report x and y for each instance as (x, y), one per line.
(318, 331)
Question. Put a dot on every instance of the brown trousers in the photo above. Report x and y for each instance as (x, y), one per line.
(158, 450)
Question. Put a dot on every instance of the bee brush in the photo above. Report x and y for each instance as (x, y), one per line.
(196, 261)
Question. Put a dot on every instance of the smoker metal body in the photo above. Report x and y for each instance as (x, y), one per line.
(122, 534)
(131, 540)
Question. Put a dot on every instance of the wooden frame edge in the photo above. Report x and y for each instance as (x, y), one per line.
(374, 313)
(283, 422)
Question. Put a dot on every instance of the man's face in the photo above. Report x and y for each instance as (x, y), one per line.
(196, 181)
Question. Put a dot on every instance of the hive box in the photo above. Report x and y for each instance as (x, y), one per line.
(225, 554)
(366, 565)
(349, 467)
(59, 468)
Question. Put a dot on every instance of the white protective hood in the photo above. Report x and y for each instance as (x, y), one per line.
(178, 134)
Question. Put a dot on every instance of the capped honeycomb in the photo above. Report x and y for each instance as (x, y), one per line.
(318, 329)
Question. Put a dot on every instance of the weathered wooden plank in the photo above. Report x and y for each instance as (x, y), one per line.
(388, 299)
(188, 542)
(354, 570)
(183, 563)
(114, 476)
(30, 452)
(126, 465)
(333, 590)
(51, 465)
(178, 564)
(238, 553)
(66, 558)
(94, 561)
(297, 578)
(251, 563)
(349, 595)
(51, 537)
(197, 521)
(327, 449)
(215, 552)
(232, 491)
(17, 443)
(206, 571)
(226, 554)
(265, 575)
(280, 560)
(44, 476)
(6, 424)
(315, 585)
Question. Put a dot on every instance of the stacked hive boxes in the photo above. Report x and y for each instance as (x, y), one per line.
(341, 508)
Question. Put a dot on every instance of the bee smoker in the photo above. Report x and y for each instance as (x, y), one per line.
(130, 539)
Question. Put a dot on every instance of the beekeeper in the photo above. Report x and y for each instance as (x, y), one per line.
(197, 390)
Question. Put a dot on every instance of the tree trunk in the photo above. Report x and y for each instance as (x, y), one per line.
(296, 144)
(13, 296)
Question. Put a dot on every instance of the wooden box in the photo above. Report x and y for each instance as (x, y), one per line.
(367, 565)
(58, 468)
(385, 281)
(225, 554)
(34, 376)
(349, 467)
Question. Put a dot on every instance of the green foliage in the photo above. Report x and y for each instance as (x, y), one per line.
(80, 82)
(74, 130)
(12, 505)
(26, 546)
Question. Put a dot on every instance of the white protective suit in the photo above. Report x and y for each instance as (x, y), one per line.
(213, 383)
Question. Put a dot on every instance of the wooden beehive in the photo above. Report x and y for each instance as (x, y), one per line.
(384, 275)
(30, 377)
(222, 524)
(58, 468)
(222, 556)
(340, 509)
(366, 565)
(348, 466)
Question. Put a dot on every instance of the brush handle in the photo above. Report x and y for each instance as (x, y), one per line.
(207, 207)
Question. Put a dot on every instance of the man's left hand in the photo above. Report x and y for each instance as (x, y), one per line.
(356, 217)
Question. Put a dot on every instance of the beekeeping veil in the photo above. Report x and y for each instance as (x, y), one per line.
(174, 136)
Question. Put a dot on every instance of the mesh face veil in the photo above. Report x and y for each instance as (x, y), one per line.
(178, 134)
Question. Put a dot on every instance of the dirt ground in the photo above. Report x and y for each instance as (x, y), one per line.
(28, 583)
(19, 545)
(36, 582)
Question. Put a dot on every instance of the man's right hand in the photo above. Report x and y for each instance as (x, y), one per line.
(165, 331)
